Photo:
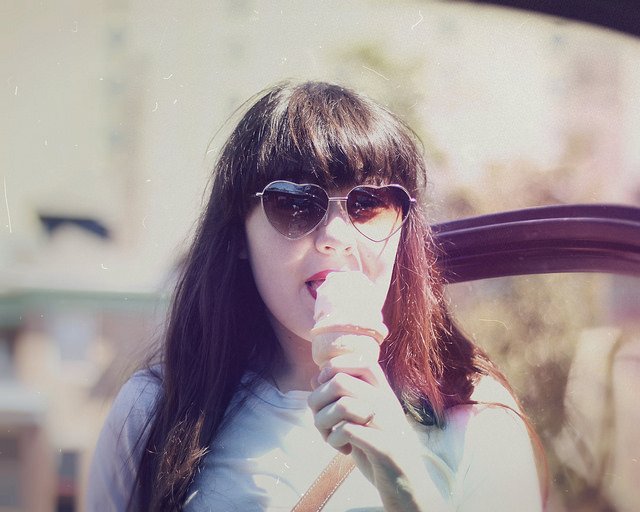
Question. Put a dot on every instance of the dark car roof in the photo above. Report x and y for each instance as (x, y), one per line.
(620, 15)
(562, 238)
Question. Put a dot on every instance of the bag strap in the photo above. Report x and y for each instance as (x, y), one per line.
(325, 485)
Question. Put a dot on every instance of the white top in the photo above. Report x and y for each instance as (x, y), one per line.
(270, 453)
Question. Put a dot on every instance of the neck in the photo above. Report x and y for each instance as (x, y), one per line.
(297, 368)
(294, 378)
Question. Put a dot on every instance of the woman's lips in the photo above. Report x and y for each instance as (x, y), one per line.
(315, 281)
(312, 287)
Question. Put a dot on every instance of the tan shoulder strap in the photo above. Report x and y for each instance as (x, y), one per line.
(325, 485)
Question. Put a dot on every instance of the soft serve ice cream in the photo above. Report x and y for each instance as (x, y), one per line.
(348, 318)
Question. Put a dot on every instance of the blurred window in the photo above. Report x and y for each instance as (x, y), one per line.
(73, 332)
(67, 481)
(9, 473)
(6, 354)
(569, 345)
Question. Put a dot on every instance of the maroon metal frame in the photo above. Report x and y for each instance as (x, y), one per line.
(563, 238)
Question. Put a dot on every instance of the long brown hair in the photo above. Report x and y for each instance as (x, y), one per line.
(305, 132)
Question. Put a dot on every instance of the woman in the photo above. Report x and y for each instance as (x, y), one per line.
(237, 415)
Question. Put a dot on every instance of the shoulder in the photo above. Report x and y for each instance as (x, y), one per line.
(497, 463)
(133, 409)
(138, 395)
(121, 441)
(493, 424)
(133, 406)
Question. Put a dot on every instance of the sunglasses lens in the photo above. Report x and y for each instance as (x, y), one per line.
(294, 210)
(378, 212)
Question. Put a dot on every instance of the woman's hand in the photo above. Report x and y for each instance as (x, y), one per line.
(357, 412)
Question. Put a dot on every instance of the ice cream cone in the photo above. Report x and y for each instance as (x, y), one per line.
(348, 318)
(327, 345)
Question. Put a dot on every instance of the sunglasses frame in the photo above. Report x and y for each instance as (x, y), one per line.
(336, 199)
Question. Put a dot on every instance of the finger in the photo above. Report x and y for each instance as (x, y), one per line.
(315, 382)
(341, 385)
(355, 365)
(344, 409)
(345, 449)
(354, 435)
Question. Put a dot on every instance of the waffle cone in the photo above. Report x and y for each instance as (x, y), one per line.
(327, 345)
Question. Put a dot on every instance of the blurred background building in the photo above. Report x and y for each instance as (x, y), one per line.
(111, 119)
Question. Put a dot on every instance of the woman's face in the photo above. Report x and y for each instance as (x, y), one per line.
(287, 271)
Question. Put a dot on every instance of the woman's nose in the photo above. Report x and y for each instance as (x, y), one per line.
(336, 233)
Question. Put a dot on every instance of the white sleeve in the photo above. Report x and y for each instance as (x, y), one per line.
(117, 454)
(499, 472)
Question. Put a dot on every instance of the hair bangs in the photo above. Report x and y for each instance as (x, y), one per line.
(324, 134)
(342, 142)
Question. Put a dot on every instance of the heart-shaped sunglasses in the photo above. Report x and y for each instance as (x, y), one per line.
(296, 210)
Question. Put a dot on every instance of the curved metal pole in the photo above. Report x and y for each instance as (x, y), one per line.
(565, 238)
